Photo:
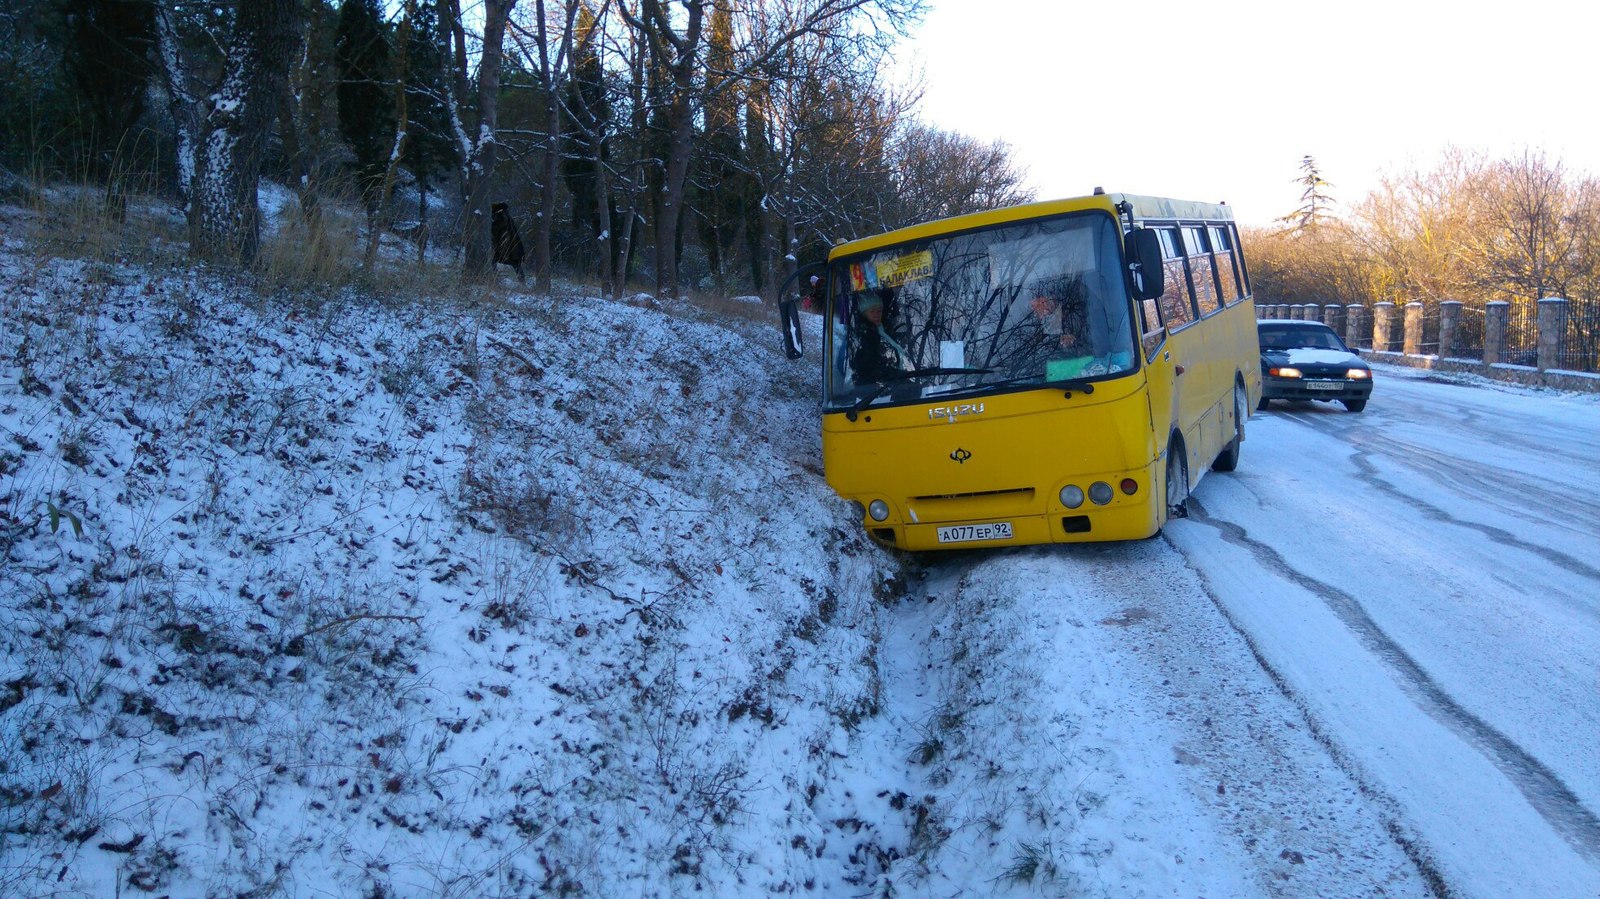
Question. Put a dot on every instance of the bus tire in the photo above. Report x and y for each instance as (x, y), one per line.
(1177, 480)
(1228, 459)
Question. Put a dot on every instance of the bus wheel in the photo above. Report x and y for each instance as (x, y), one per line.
(1228, 459)
(1177, 481)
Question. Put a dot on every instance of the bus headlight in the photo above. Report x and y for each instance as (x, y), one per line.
(1100, 493)
(1072, 496)
(879, 510)
(857, 511)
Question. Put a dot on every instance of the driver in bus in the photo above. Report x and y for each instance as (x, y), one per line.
(877, 354)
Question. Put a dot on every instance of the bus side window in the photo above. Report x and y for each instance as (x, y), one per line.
(1177, 307)
(1205, 281)
(1150, 333)
(1239, 264)
(1227, 274)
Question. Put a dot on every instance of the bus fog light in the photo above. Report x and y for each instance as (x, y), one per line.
(1072, 496)
(1130, 486)
(857, 511)
(1100, 493)
(879, 510)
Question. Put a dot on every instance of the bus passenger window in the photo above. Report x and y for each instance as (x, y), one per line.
(1227, 276)
(1205, 284)
(1177, 308)
(1150, 333)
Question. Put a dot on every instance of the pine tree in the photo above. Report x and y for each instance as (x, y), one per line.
(111, 58)
(429, 149)
(366, 105)
(1315, 203)
(717, 160)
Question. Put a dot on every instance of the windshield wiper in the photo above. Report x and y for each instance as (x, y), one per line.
(898, 377)
(1080, 385)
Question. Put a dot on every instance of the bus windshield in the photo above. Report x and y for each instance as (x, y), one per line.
(1033, 303)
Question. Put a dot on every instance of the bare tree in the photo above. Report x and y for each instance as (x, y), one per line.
(478, 147)
(551, 47)
(678, 45)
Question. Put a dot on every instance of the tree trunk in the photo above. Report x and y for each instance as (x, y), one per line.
(680, 146)
(179, 104)
(479, 251)
(224, 213)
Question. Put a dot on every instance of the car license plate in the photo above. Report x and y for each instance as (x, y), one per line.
(1324, 385)
(963, 533)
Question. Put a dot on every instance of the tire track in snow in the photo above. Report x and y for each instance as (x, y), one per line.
(1544, 790)
(1492, 486)
(1456, 472)
(1368, 472)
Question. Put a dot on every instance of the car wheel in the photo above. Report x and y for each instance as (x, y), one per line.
(1262, 404)
(1354, 405)
(1228, 459)
(1177, 481)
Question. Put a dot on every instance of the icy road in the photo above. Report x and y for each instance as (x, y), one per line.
(1368, 663)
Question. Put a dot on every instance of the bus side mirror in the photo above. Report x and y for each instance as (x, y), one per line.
(1145, 270)
(794, 343)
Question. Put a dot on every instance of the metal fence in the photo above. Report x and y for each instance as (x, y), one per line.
(1521, 346)
(1580, 346)
(1429, 346)
(1469, 334)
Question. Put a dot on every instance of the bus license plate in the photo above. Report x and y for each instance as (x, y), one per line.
(963, 533)
(1324, 385)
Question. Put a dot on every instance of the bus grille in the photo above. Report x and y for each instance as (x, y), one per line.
(982, 503)
(1024, 492)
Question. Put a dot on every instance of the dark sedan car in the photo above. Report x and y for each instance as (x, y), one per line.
(1305, 360)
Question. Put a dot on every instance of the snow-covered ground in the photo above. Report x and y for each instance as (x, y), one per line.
(488, 594)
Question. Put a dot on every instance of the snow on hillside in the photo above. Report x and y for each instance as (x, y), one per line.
(334, 596)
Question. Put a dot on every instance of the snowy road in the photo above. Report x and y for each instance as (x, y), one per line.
(1422, 580)
(1371, 658)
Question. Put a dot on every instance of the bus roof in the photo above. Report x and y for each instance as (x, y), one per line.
(1143, 208)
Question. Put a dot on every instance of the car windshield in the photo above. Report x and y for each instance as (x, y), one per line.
(1027, 304)
(1300, 338)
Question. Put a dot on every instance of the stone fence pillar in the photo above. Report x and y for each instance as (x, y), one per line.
(1552, 331)
(1383, 327)
(1333, 317)
(1494, 330)
(1449, 315)
(1413, 338)
(1352, 324)
(1297, 311)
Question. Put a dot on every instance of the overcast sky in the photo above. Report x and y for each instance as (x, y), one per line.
(1220, 101)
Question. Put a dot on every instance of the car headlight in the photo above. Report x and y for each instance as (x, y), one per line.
(1284, 372)
(1072, 496)
(879, 510)
(1358, 374)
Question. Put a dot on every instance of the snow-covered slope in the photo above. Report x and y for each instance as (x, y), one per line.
(337, 596)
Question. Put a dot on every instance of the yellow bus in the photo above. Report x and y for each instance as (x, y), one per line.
(1061, 371)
